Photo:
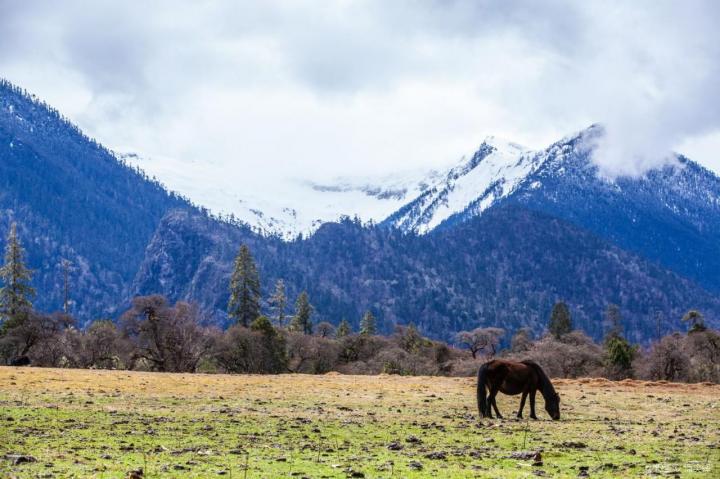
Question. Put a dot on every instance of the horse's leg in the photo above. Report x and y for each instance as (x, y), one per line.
(522, 404)
(532, 404)
(494, 403)
(489, 414)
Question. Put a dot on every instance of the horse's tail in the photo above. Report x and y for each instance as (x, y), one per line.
(482, 391)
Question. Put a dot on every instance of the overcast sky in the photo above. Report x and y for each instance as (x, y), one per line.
(318, 89)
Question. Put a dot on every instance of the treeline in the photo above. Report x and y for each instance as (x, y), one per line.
(155, 335)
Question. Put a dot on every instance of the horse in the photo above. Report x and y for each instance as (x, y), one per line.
(20, 361)
(512, 378)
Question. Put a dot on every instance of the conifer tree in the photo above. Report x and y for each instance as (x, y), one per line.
(343, 329)
(16, 292)
(244, 303)
(560, 320)
(279, 302)
(620, 354)
(613, 322)
(618, 350)
(411, 339)
(302, 322)
(275, 357)
(368, 324)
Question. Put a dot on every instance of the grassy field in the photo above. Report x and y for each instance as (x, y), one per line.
(106, 424)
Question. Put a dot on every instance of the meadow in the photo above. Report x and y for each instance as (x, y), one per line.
(118, 424)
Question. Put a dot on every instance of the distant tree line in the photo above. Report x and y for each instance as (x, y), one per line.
(158, 336)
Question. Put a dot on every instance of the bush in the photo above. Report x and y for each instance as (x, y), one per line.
(666, 360)
(167, 338)
(572, 356)
(253, 350)
(312, 354)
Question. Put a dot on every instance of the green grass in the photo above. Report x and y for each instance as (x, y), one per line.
(104, 424)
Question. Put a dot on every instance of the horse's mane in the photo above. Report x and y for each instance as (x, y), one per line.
(546, 386)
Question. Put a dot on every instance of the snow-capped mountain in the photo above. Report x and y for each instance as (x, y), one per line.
(506, 233)
(417, 200)
(288, 206)
(671, 214)
(493, 172)
(561, 180)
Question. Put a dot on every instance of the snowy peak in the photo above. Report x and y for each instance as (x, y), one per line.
(287, 207)
(417, 201)
(493, 172)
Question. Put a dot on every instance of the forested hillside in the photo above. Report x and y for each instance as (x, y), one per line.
(72, 199)
(505, 268)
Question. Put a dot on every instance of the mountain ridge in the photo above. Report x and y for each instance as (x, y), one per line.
(550, 229)
(73, 200)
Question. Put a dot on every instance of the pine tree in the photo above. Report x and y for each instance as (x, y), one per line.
(368, 326)
(302, 322)
(411, 339)
(16, 293)
(262, 324)
(244, 303)
(613, 322)
(620, 354)
(66, 285)
(343, 329)
(274, 359)
(279, 302)
(560, 320)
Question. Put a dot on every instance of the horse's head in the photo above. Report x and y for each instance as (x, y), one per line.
(552, 405)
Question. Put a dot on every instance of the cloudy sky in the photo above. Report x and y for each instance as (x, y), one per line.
(254, 90)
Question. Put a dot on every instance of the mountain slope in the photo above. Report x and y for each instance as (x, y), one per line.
(505, 268)
(72, 199)
(492, 173)
(670, 215)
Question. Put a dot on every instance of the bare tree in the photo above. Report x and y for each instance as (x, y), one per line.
(36, 337)
(703, 349)
(240, 350)
(481, 339)
(666, 360)
(104, 346)
(312, 354)
(325, 330)
(575, 355)
(169, 338)
(521, 341)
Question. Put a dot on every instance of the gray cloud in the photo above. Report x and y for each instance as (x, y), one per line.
(316, 88)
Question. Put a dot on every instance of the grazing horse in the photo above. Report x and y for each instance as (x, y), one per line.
(512, 378)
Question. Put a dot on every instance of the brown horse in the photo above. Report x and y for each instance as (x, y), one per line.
(512, 378)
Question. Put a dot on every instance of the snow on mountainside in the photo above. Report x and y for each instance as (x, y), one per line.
(295, 206)
(289, 206)
(562, 175)
(492, 173)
